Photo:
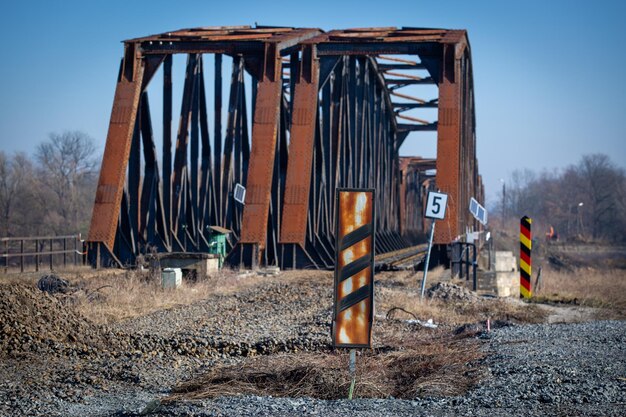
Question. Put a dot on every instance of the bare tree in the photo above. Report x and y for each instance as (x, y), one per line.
(16, 185)
(67, 169)
(603, 183)
(587, 200)
(520, 196)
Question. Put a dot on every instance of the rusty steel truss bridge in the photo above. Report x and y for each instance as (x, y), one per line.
(304, 112)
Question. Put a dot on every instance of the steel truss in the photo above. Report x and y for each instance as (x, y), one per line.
(325, 113)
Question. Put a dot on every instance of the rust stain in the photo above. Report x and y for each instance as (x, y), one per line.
(115, 161)
(352, 325)
(300, 164)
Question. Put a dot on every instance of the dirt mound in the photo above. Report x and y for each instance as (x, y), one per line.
(35, 321)
(449, 292)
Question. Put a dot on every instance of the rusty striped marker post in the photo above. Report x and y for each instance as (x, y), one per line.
(525, 268)
(354, 269)
(353, 311)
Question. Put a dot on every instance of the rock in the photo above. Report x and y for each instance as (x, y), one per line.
(451, 292)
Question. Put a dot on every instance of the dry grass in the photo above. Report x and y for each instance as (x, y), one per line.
(109, 296)
(605, 289)
(113, 297)
(404, 295)
(436, 368)
(106, 296)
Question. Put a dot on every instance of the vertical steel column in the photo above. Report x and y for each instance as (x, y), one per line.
(404, 177)
(302, 138)
(207, 194)
(263, 152)
(134, 179)
(449, 136)
(194, 152)
(113, 172)
(217, 137)
(167, 144)
(180, 176)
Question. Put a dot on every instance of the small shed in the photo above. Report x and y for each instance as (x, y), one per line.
(217, 242)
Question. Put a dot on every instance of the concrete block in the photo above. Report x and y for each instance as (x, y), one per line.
(171, 278)
(201, 264)
(500, 284)
(507, 284)
(212, 265)
(505, 261)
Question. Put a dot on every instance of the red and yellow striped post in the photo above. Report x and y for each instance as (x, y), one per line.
(525, 268)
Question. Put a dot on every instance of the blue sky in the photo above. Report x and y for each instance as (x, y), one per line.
(549, 75)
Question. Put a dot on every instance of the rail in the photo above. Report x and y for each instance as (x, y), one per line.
(408, 258)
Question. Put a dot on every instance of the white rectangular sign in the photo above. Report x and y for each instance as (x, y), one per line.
(478, 211)
(239, 193)
(436, 205)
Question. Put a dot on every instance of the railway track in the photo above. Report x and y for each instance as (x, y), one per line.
(408, 258)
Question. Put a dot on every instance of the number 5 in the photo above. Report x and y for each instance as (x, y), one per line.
(436, 205)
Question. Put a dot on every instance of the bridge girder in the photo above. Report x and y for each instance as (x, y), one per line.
(322, 117)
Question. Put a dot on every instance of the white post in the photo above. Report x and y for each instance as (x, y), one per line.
(430, 245)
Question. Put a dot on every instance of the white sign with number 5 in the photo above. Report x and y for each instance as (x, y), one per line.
(436, 205)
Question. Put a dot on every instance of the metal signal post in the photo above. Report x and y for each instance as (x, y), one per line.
(435, 210)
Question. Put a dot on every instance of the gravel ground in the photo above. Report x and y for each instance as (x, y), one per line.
(47, 369)
(532, 370)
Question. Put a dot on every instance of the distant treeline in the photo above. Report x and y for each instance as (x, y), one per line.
(586, 201)
(52, 191)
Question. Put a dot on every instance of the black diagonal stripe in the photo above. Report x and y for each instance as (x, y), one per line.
(525, 249)
(356, 236)
(355, 267)
(526, 222)
(354, 297)
(524, 274)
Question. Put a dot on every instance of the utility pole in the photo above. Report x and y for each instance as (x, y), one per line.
(503, 200)
(580, 220)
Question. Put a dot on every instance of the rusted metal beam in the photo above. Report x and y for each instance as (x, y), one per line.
(404, 127)
(452, 137)
(299, 168)
(264, 135)
(377, 48)
(264, 131)
(119, 137)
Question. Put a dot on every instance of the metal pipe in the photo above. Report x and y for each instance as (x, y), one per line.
(475, 279)
(430, 245)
